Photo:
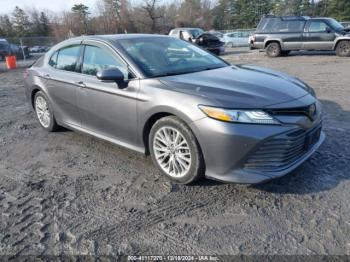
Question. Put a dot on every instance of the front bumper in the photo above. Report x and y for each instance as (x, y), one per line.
(228, 148)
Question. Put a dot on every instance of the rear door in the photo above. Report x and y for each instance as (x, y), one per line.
(107, 109)
(318, 36)
(291, 33)
(61, 79)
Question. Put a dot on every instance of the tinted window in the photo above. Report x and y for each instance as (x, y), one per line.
(159, 56)
(67, 58)
(96, 58)
(278, 25)
(318, 26)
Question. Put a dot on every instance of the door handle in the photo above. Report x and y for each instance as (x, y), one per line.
(80, 83)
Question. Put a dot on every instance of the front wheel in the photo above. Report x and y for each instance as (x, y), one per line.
(343, 49)
(175, 150)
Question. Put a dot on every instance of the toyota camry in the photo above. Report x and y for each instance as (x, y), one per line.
(193, 113)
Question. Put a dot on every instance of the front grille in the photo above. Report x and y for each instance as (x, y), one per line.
(310, 111)
(281, 151)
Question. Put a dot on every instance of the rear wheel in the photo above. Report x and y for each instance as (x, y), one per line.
(273, 49)
(175, 150)
(343, 49)
(44, 112)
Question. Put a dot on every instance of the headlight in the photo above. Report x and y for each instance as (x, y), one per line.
(239, 116)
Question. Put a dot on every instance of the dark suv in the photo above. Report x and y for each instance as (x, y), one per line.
(280, 35)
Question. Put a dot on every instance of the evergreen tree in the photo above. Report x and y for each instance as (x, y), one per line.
(44, 24)
(21, 24)
(6, 26)
(82, 12)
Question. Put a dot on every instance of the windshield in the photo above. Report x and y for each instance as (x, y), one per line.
(335, 24)
(3, 46)
(163, 56)
(196, 32)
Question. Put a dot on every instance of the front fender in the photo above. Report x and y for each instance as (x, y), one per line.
(341, 38)
(279, 40)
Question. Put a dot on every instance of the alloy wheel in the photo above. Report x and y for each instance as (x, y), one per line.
(172, 151)
(42, 111)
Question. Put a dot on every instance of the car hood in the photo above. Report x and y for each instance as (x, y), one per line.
(240, 86)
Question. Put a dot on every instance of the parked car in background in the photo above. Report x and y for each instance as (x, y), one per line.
(346, 24)
(20, 52)
(280, 35)
(217, 34)
(194, 113)
(38, 49)
(197, 36)
(7, 49)
(4, 49)
(235, 39)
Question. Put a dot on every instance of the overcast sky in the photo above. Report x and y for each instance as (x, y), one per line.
(7, 6)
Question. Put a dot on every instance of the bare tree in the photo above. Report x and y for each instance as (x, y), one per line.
(151, 10)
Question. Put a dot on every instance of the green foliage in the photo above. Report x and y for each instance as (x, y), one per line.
(20, 22)
(229, 14)
(82, 12)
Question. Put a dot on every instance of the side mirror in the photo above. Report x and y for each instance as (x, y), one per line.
(329, 30)
(111, 74)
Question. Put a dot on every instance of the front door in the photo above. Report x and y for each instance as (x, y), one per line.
(106, 109)
(318, 36)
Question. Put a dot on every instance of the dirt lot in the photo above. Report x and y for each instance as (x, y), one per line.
(68, 193)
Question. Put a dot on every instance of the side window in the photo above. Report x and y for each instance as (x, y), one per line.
(53, 59)
(67, 58)
(96, 58)
(296, 26)
(317, 26)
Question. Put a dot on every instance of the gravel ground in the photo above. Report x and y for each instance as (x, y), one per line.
(69, 193)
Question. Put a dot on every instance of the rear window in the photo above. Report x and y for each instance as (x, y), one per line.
(278, 25)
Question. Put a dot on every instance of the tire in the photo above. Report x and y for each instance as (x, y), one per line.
(44, 113)
(181, 170)
(216, 52)
(273, 49)
(343, 49)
